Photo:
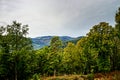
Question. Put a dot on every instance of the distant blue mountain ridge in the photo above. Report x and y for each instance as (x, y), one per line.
(42, 41)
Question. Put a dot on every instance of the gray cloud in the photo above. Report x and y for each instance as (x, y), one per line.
(58, 17)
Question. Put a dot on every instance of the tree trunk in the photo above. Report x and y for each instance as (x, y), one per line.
(15, 68)
(15, 74)
(54, 72)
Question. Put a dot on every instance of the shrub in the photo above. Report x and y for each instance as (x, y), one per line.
(90, 76)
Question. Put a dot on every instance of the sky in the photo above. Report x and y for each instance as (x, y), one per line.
(58, 17)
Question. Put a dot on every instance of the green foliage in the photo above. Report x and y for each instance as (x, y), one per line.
(100, 39)
(115, 58)
(36, 77)
(69, 57)
(55, 44)
(90, 76)
(117, 16)
(49, 58)
(43, 61)
(55, 54)
(16, 58)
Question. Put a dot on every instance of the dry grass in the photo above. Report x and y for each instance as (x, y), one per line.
(108, 76)
(98, 76)
(65, 77)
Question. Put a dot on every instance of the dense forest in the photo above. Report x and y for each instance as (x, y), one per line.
(97, 52)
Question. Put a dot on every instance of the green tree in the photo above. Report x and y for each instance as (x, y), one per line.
(69, 57)
(43, 66)
(115, 57)
(55, 53)
(89, 55)
(100, 40)
(16, 58)
(73, 58)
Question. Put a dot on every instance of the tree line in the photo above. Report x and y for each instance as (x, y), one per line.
(98, 51)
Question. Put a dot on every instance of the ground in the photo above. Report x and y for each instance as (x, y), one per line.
(98, 76)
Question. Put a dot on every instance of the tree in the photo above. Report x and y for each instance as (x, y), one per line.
(89, 55)
(55, 44)
(16, 58)
(43, 66)
(117, 20)
(115, 57)
(80, 54)
(100, 39)
(55, 53)
(70, 57)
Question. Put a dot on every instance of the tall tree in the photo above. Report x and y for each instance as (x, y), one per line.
(70, 57)
(16, 52)
(43, 61)
(80, 47)
(115, 58)
(100, 39)
(55, 53)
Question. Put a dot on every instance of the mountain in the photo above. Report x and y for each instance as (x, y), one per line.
(42, 41)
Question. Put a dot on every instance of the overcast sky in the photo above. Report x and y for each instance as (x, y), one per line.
(58, 17)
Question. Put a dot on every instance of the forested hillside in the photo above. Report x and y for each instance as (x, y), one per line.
(43, 41)
(97, 52)
(40, 42)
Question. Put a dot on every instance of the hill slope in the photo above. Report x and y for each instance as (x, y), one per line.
(42, 41)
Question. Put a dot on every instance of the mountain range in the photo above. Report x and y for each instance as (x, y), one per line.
(42, 41)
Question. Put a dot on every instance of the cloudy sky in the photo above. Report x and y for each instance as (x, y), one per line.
(58, 17)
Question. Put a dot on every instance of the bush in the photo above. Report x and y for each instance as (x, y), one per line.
(36, 77)
(90, 76)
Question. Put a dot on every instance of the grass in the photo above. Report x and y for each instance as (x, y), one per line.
(98, 76)
(108, 76)
(65, 77)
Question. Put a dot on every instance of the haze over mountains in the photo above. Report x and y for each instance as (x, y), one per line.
(42, 41)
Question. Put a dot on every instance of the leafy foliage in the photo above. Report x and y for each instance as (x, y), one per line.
(16, 54)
